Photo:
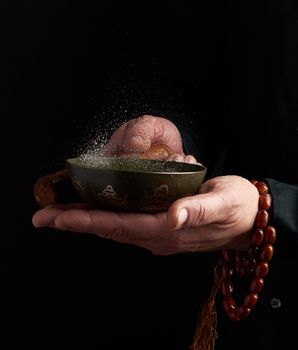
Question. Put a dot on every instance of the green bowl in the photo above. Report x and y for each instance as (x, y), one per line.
(131, 184)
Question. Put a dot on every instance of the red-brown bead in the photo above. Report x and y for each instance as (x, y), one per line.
(262, 218)
(227, 271)
(256, 285)
(250, 300)
(229, 304)
(242, 312)
(267, 252)
(262, 269)
(265, 201)
(227, 288)
(240, 269)
(262, 187)
(270, 235)
(258, 236)
(233, 316)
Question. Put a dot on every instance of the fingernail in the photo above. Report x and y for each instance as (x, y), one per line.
(182, 218)
(35, 223)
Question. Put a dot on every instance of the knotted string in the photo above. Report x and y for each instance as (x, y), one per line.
(206, 332)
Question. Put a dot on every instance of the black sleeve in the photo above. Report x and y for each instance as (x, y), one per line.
(285, 216)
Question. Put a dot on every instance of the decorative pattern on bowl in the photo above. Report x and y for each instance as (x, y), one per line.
(135, 185)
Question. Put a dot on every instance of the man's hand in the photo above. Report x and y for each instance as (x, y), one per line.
(141, 135)
(219, 217)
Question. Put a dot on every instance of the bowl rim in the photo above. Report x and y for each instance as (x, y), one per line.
(73, 162)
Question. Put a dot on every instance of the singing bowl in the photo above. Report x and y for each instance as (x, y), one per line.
(132, 184)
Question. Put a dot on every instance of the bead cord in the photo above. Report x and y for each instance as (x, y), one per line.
(253, 263)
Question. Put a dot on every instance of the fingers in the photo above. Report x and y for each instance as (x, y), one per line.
(47, 216)
(115, 144)
(182, 158)
(139, 135)
(121, 227)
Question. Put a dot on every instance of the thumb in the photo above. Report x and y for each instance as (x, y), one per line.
(198, 210)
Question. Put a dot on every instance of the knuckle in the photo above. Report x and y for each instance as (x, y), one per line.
(198, 213)
(139, 126)
(120, 233)
(206, 187)
(159, 129)
(61, 222)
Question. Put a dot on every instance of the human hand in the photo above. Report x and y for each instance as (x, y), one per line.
(219, 217)
(148, 137)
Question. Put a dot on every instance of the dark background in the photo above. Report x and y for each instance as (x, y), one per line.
(70, 71)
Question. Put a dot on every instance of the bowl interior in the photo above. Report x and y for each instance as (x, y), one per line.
(130, 164)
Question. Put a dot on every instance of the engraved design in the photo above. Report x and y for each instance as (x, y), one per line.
(109, 195)
(159, 200)
(77, 184)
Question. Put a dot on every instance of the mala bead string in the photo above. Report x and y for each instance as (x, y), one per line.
(253, 263)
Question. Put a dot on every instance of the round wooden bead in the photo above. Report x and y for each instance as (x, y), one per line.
(229, 304)
(227, 288)
(258, 236)
(265, 201)
(262, 187)
(262, 218)
(242, 312)
(262, 269)
(232, 316)
(270, 235)
(267, 252)
(256, 285)
(227, 271)
(250, 300)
